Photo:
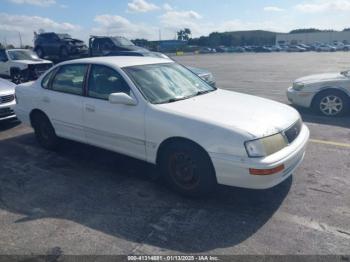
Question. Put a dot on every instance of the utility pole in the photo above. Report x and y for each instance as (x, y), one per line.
(160, 34)
(20, 40)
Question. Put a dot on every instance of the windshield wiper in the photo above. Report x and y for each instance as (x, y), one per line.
(204, 92)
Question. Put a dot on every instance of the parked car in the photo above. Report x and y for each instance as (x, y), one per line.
(326, 48)
(121, 46)
(306, 47)
(207, 50)
(7, 99)
(262, 49)
(327, 94)
(295, 48)
(22, 65)
(59, 46)
(156, 110)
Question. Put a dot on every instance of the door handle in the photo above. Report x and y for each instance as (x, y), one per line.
(89, 108)
(46, 99)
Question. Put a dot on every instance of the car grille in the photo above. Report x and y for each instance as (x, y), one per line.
(6, 99)
(293, 132)
(4, 112)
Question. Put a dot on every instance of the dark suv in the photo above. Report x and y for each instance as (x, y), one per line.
(116, 46)
(59, 46)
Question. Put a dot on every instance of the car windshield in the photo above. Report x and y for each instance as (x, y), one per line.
(64, 36)
(166, 83)
(121, 41)
(22, 55)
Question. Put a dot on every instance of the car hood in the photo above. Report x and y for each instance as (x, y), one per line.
(6, 87)
(32, 62)
(254, 116)
(322, 78)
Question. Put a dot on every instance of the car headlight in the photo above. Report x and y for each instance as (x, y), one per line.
(298, 86)
(265, 146)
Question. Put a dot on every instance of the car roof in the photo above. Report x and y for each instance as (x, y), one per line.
(120, 61)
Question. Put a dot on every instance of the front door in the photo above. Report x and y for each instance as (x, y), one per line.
(112, 126)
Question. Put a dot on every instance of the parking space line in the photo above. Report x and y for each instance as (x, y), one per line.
(329, 143)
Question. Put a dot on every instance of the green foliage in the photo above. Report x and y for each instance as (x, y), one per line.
(184, 34)
(239, 38)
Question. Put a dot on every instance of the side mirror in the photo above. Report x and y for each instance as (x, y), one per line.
(122, 98)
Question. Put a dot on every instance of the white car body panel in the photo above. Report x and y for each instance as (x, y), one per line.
(220, 122)
(316, 83)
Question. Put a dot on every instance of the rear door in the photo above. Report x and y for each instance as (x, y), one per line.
(62, 101)
(112, 126)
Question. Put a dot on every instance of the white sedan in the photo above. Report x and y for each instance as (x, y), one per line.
(158, 111)
(7, 100)
(327, 94)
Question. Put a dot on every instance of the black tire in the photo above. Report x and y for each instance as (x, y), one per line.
(338, 105)
(187, 169)
(44, 132)
(18, 77)
(40, 52)
(64, 52)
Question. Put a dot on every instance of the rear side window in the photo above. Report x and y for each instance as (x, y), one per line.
(70, 79)
(104, 81)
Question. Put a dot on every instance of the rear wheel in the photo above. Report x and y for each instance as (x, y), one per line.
(44, 132)
(331, 103)
(188, 169)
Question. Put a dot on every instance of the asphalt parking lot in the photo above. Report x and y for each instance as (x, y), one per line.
(84, 200)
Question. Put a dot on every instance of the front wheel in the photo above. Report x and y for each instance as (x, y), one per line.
(331, 103)
(188, 169)
(44, 132)
(18, 77)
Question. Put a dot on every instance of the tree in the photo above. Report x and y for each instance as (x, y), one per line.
(184, 34)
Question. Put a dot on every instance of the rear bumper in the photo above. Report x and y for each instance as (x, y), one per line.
(233, 171)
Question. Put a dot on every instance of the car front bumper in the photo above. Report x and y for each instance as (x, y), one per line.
(7, 110)
(234, 171)
(300, 98)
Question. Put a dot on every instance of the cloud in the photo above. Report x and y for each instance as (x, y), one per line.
(167, 7)
(141, 6)
(273, 9)
(323, 6)
(11, 25)
(35, 2)
(120, 26)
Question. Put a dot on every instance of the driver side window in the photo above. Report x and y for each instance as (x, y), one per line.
(104, 81)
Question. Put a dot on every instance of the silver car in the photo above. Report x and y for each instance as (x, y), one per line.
(7, 99)
(328, 94)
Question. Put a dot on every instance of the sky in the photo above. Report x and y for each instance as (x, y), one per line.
(154, 19)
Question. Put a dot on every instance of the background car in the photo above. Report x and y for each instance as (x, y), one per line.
(326, 48)
(7, 99)
(59, 46)
(22, 65)
(296, 48)
(327, 94)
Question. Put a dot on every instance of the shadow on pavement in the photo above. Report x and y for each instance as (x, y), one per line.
(311, 117)
(114, 194)
(8, 124)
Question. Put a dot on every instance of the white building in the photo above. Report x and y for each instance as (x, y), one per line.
(311, 38)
